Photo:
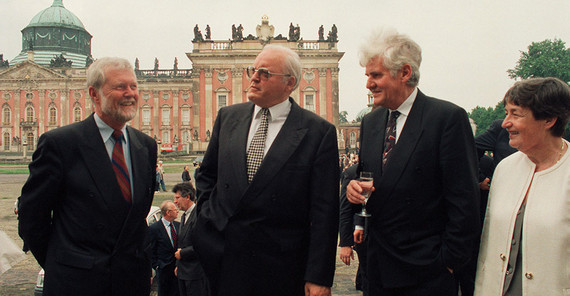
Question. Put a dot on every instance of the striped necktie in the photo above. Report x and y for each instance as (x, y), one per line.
(390, 138)
(120, 166)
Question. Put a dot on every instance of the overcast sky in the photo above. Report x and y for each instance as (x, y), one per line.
(467, 45)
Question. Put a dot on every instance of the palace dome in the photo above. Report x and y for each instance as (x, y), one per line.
(56, 15)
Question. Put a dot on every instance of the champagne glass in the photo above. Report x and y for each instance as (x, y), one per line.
(366, 182)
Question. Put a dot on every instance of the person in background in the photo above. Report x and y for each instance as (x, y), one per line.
(524, 245)
(83, 208)
(191, 278)
(186, 174)
(160, 175)
(425, 198)
(163, 242)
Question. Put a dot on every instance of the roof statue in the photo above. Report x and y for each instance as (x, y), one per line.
(265, 31)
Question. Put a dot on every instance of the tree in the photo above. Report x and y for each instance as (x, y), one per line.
(483, 117)
(342, 117)
(548, 58)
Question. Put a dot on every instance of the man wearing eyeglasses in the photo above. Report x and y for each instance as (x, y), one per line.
(268, 190)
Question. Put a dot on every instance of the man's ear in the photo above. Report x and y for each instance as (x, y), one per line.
(93, 93)
(406, 72)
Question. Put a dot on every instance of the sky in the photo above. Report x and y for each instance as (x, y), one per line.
(467, 46)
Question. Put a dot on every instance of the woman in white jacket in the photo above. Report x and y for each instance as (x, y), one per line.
(525, 246)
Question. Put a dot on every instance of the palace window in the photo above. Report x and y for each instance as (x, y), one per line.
(30, 141)
(166, 116)
(352, 139)
(222, 100)
(6, 115)
(165, 137)
(310, 102)
(30, 114)
(146, 116)
(185, 116)
(6, 141)
(77, 117)
(52, 116)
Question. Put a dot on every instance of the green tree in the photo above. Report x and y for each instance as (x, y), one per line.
(342, 117)
(483, 117)
(548, 58)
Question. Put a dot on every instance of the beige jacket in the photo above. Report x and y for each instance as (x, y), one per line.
(545, 233)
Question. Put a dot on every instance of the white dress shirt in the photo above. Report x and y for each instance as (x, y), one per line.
(404, 110)
(277, 116)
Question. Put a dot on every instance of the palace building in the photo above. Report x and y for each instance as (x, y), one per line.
(44, 87)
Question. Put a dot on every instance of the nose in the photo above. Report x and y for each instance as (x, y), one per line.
(506, 122)
(255, 76)
(370, 83)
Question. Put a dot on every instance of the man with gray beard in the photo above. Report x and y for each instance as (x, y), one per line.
(83, 208)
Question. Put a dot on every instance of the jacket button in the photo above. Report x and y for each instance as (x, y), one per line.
(503, 257)
(528, 275)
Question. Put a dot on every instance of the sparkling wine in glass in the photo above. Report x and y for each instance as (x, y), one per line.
(366, 182)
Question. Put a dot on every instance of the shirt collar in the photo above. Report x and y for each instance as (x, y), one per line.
(165, 222)
(406, 106)
(277, 111)
(105, 130)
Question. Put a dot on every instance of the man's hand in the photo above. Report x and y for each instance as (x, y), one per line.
(177, 254)
(485, 184)
(346, 254)
(176, 271)
(358, 236)
(316, 290)
(353, 190)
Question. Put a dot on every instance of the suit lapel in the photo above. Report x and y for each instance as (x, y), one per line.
(406, 145)
(238, 139)
(373, 148)
(99, 165)
(139, 163)
(286, 142)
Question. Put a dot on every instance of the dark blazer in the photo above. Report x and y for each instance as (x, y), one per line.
(162, 250)
(425, 204)
(189, 267)
(291, 206)
(88, 239)
(495, 139)
(346, 218)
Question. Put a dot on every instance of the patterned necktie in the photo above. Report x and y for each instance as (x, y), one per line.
(257, 146)
(390, 138)
(174, 235)
(120, 166)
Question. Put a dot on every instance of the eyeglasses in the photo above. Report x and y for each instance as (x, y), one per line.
(263, 73)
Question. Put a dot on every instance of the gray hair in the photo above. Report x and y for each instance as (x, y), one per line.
(395, 49)
(165, 206)
(96, 72)
(292, 62)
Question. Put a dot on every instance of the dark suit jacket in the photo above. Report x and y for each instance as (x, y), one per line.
(189, 267)
(346, 218)
(162, 250)
(495, 139)
(290, 206)
(425, 206)
(89, 240)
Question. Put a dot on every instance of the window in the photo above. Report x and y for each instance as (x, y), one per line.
(185, 136)
(30, 114)
(77, 114)
(146, 116)
(186, 116)
(310, 102)
(166, 116)
(6, 115)
(165, 137)
(30, 140)
(222, 101)
(352, 139)
(52, 116)
(6, 141)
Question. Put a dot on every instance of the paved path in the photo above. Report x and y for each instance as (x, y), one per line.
(20, 280)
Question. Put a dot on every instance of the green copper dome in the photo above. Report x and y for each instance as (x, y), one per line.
(56, 15)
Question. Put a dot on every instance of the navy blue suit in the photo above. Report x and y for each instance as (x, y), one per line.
(162, 258)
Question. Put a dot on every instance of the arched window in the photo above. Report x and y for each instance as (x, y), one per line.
(52, 116)
(166, 115)
(6, 113)
(6, 141)
(352, 139)
(77, 116)
(146, 115)
(165, 137)
(30, 114)
(185, 116)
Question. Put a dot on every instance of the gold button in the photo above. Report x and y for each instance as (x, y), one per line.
(528, 275)
(503, 257)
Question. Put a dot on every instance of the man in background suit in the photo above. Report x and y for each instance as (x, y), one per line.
(424, 207)
(163, 241)
(191, 278)
(83, 208)
(268, 190)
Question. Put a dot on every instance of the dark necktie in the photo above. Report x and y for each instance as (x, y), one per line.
(257, 146)
(183, 220)
(174, 235)
(120, 166)
(390, 138)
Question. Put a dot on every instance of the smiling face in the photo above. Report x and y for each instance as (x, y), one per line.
(270, 91)
(388, 91)
(116, 101)
(525, 132)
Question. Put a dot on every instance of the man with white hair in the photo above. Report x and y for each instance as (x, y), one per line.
(268, 190)
(424, 206)
(83, 208)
